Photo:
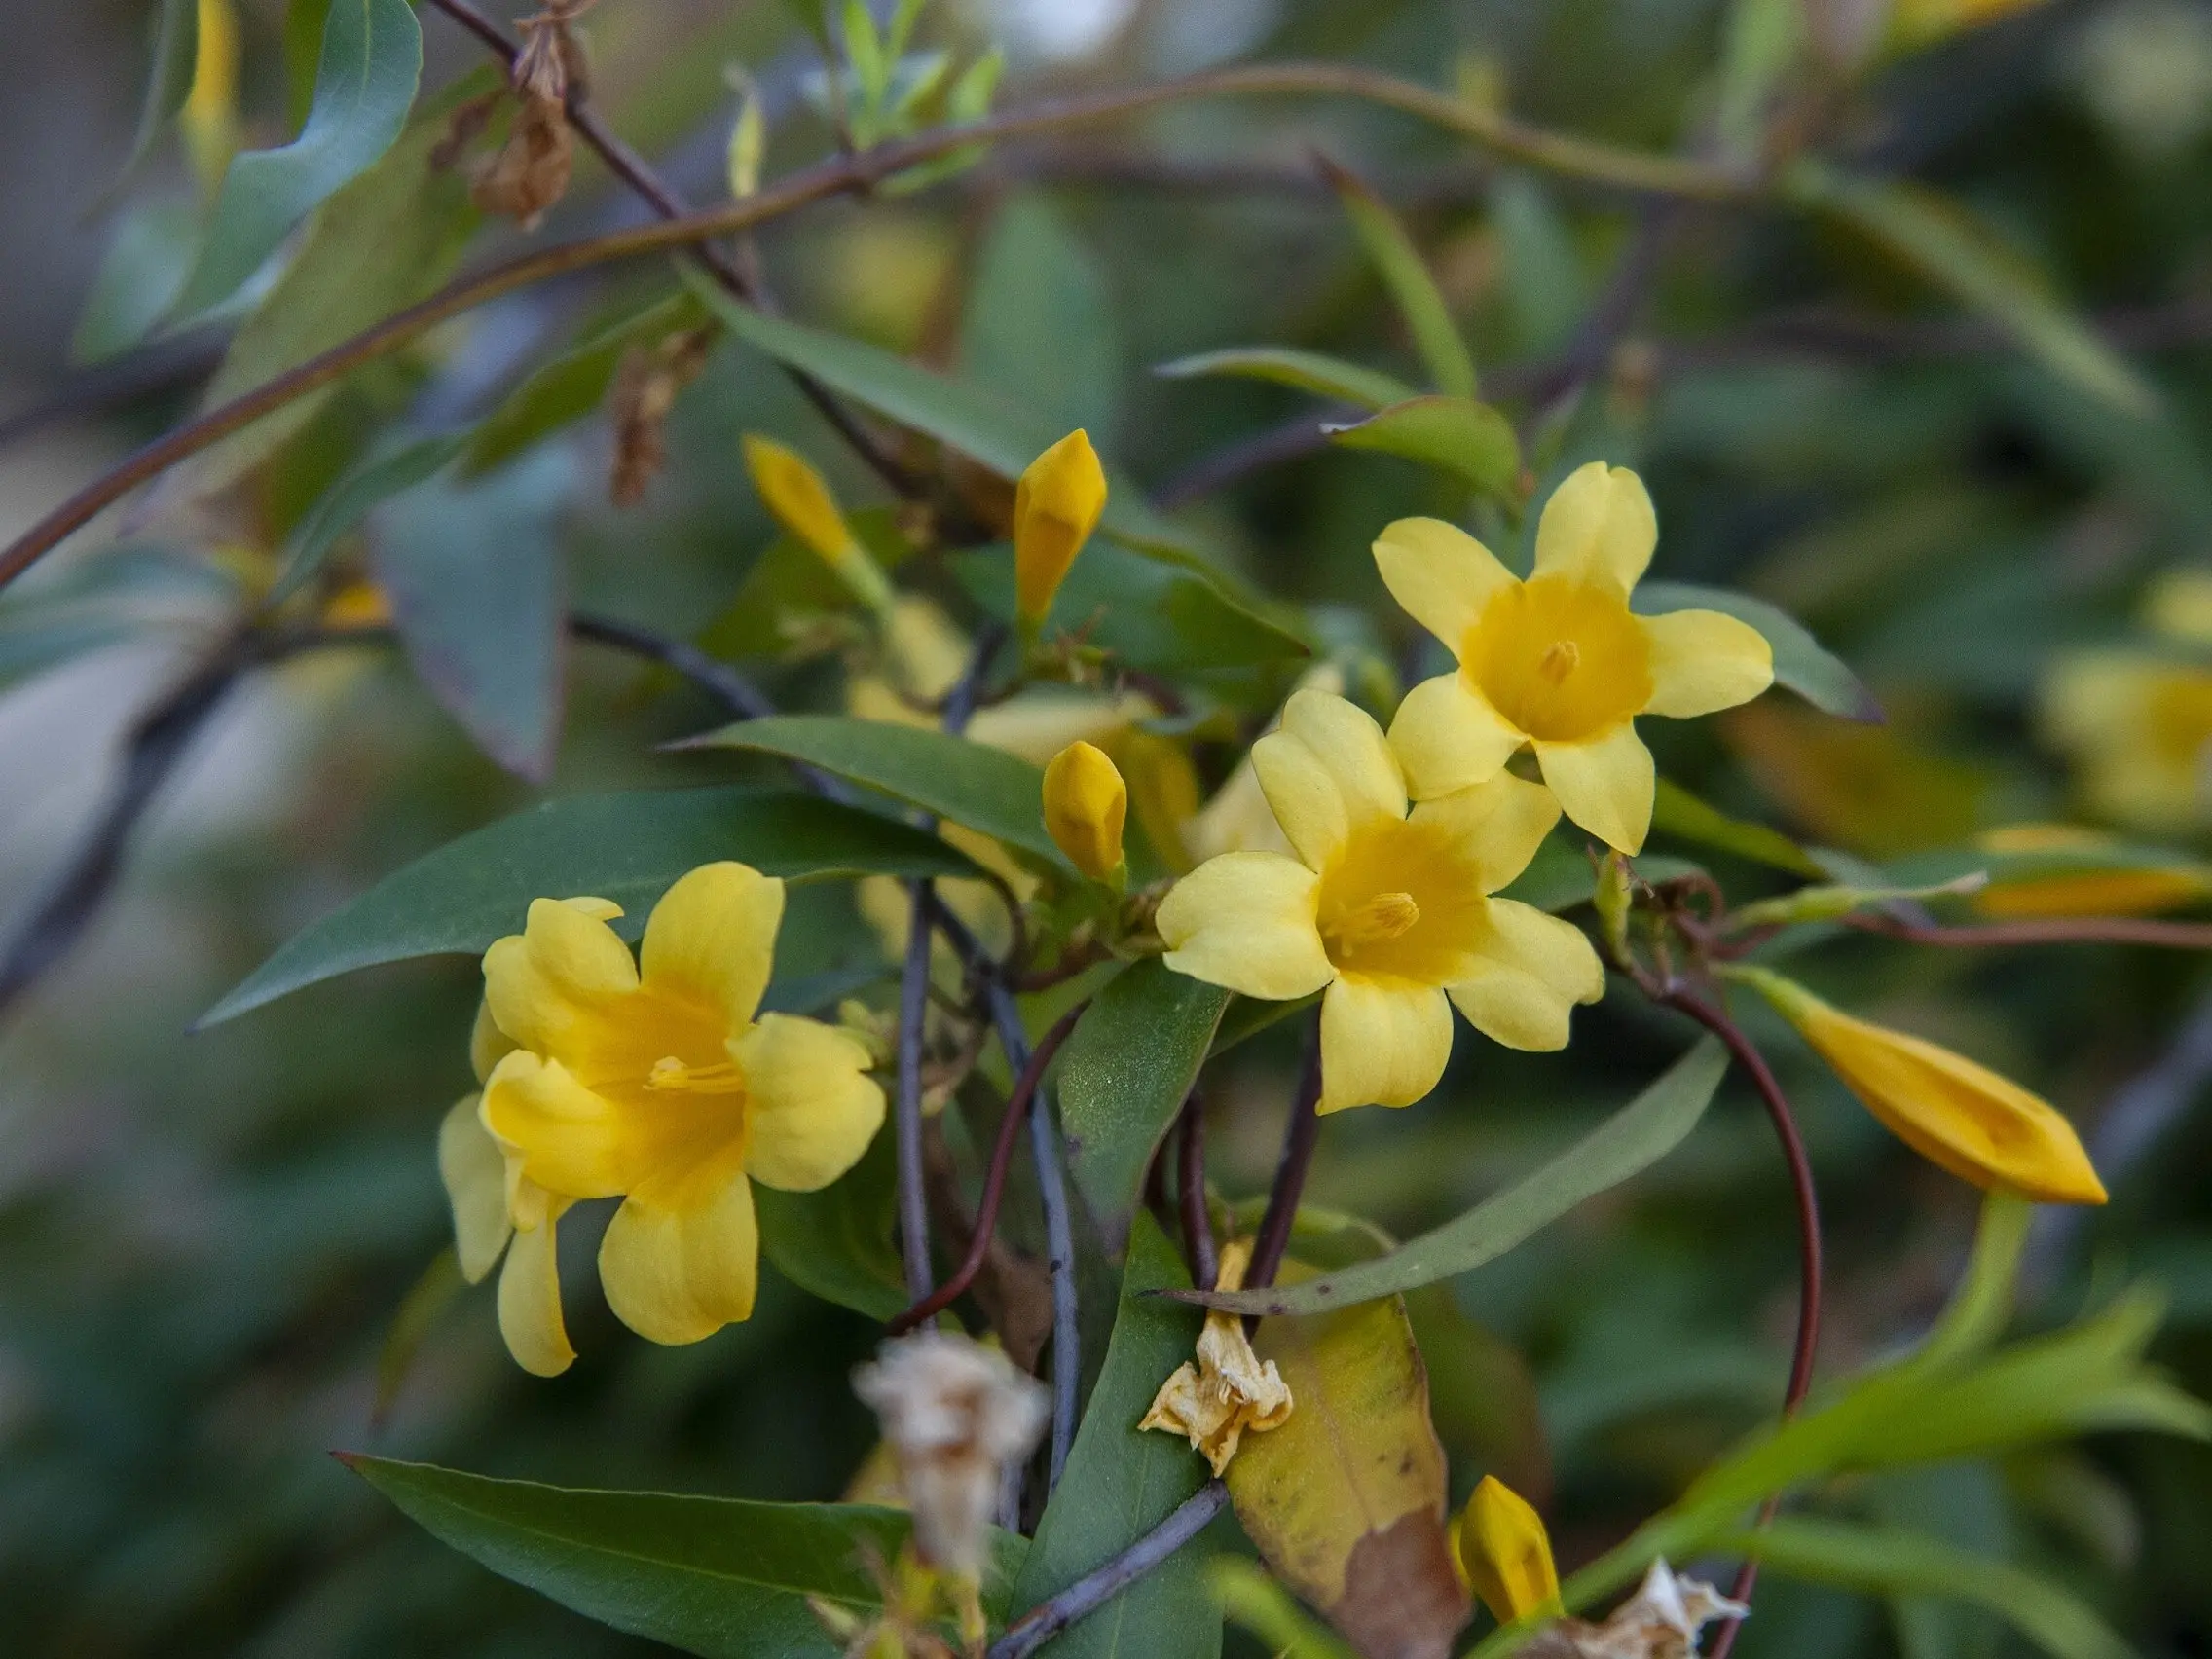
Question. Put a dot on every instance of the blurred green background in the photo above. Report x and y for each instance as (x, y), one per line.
(204, 1238)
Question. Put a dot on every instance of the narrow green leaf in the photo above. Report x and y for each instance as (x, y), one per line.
(1800, 662)
(1308, 371)
(977, 422)
(425, 1301)
(1883, 1560)
(628, 847)
(1150, 615)
(722, 1577)
(1252, 1600)
(1631, 1140)
(1038, 326)
(1120, 1483)
(1436, 337)
(1983, 1304)
(836, 1242)
(1936, 237)
(1675, 811)
(985, 789)
(1128, 1064)
(569, 385)
(137, 279)
(1458, 435)
(372, 57)
(176, 53)
(351, 500)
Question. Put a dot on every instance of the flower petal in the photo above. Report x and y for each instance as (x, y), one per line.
(475, 1174)
(1604, 785)
(1440, 576)
(712, 938)
(1327, 772)
(549, 984)
(679, 1265)
(488, 1045)
(1597, 526)
(566, 1138)
(1447, 736)
(1702, 661)
(1384, 1042)
(1534, 969)
(1498, 826)
(811, 1107)
(529, 1301)
(1245, 920)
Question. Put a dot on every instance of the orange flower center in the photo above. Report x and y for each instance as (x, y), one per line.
(1563, 660)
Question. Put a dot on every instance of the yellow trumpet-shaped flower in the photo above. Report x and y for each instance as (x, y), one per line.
(2140, 731)
(1558, 662)
(1086, 806)
(1506, 1553)
(1055, 507)
(1960, 1116)
(653, 1079)
(1387, 909)
(2115, 889)
(798, 498)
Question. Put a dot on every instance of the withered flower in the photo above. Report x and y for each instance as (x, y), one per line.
(646, 387)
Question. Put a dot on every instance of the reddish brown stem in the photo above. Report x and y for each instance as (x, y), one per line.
(994, 1178)
(2053, 930)
(1298, 1143)
(1809, 1254)
(1190, 1182)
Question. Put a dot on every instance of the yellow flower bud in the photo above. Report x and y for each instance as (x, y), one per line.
(800, 500)
(1507, 1554)
(1959, 1116)
(1055, 507)
(1086, 804)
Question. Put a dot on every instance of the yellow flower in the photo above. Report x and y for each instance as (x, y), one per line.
(1236, 820)
(1086, 806)
(1387, 909)
(799, 500)
(2098, 889)
(1558, 662)
(1507, 1554)
(652, 1081)
(209, 117)
(1959, 1116)
(1230, 1391)
(1055, 507)
(2140, 730)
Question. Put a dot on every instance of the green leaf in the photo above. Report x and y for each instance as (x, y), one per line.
(1308, 371)
(1883, 1560)
(351, 500)
(1935, 235)
(474, 579)
(627, 847)
(1153, 617)
(1436, 337)
(137, 279)
(985, 789)
(1800, 662)
(722, 1577)
(1128, 1064)
(569, 385)
(386, 240)
(976, 422)
(372, 57)
(420, 1310)
(176, 55)
(836, 1242)
(1120, 1483)
(1468, 439)
(1038, 327)
(1632, 1139)
(1675, 812)
(1253, 1601)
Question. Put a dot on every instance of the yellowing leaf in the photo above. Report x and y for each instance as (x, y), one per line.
(1346, 1499)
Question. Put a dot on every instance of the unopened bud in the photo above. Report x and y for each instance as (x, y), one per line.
(1055, 507)
(1506, 1553)
(798, 498)
(956, 1414)
(1086, 806)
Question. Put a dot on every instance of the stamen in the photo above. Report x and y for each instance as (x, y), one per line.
(1379, 920)
(1560, 660)
(669, 1072)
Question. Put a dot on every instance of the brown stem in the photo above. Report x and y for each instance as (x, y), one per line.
(1190, 1183)
(2053, 930)
(994, 1178)
(1596, 164)
(1809, 1253)
(1300, 1136)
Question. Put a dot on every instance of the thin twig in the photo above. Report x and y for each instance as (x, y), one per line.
(1191, 1181)
(913, 1012)
(724, 684)
(1809, 1247)
(929, 1303)
(634, 170)
(1595, 163)
(1095, 1589)
(1300, 1137)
